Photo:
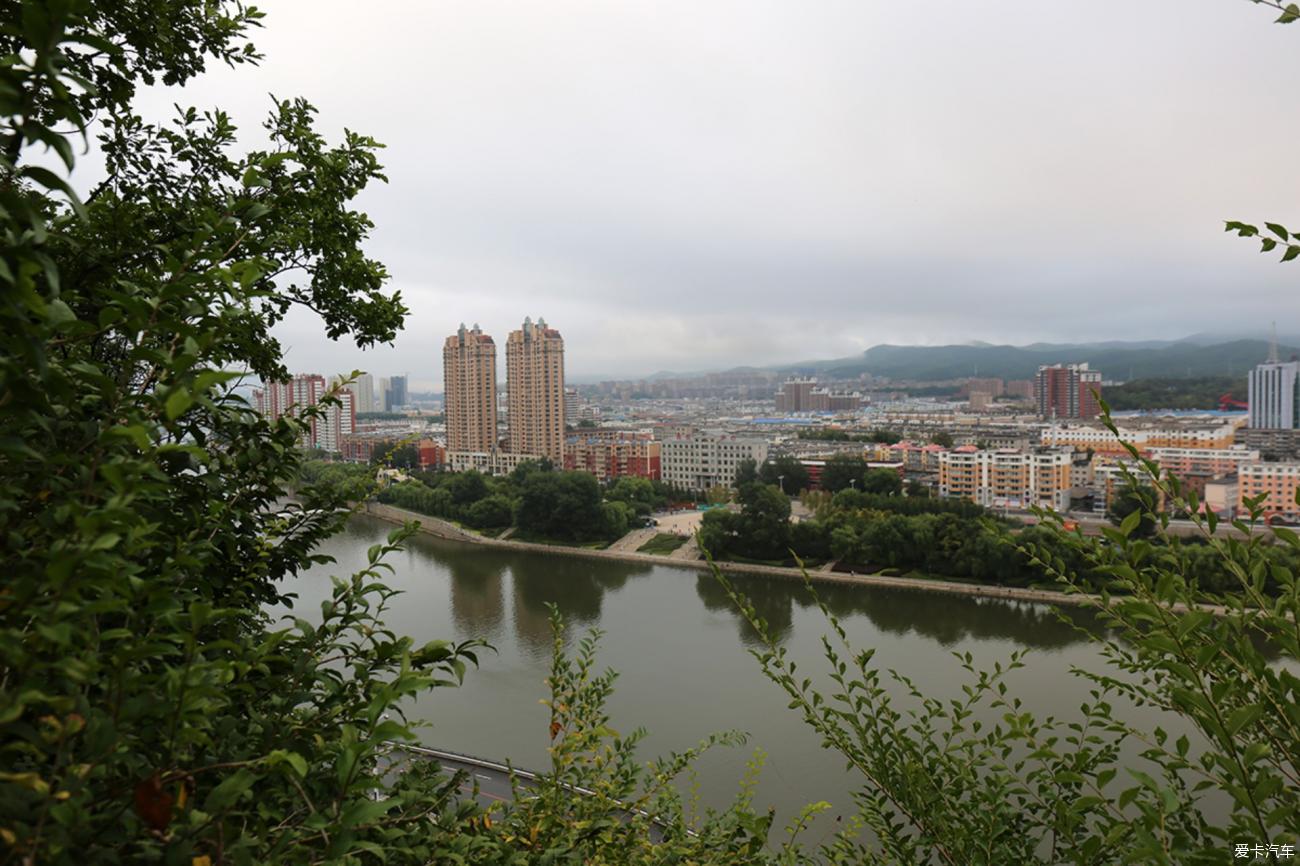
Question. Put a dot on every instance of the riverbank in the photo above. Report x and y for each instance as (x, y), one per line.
(450, 531)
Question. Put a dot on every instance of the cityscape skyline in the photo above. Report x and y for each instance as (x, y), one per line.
(1010, 444)
(432, 380)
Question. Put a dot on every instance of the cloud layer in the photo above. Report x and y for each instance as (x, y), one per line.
(697, 185)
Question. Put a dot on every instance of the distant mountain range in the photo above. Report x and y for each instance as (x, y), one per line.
(1204, 354)
(1198, 355)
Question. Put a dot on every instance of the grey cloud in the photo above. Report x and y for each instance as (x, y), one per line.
(680, 186)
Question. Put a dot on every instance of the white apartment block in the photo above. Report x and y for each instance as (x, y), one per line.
(487, 462)
(1203, 461)
(1217, 435)
(708, 459)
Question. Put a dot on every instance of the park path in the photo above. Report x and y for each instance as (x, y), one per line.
(633, 539)
(688, 552)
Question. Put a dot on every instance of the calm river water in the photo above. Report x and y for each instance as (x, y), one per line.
(682, 653)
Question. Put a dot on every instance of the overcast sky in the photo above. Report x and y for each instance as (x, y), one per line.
(691, 186)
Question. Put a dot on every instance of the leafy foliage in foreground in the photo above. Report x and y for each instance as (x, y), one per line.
(152, 708)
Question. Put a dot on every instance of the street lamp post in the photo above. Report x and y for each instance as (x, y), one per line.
(780, 479)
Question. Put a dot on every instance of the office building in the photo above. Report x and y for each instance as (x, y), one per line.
(535, 391)
(698, 461)
(469, 368)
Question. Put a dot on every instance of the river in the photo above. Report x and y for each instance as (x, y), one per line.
(682, 653)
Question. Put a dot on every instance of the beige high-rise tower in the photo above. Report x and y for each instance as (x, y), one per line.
(469, 367)
(535, 385)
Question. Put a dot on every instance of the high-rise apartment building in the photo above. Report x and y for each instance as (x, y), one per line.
(364, 389)
(1066, 391)
(571, 406)
(1272, 393)
(469, 367)
(339, 423)
(535, 390)
(397, 396)
(796, 395)
(992, 387)
(277, 399)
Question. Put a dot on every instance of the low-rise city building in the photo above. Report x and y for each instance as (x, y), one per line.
(487, 462)
(1203, 461)
(1146, 434)
(1276, 482)
(1008, 479)
(611, 454)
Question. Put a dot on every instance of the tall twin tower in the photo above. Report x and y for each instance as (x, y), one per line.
(534, 391)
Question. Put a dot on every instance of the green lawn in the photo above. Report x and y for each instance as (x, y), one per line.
(663, 544)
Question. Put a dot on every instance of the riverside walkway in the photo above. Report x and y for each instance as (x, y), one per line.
(687, 556)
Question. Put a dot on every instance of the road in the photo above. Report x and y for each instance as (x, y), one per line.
(1093, 525)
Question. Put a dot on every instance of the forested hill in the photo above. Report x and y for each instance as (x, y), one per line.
(1198, 392)
(1122, 361)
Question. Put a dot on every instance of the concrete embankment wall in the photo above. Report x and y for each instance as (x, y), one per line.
(444, 529)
